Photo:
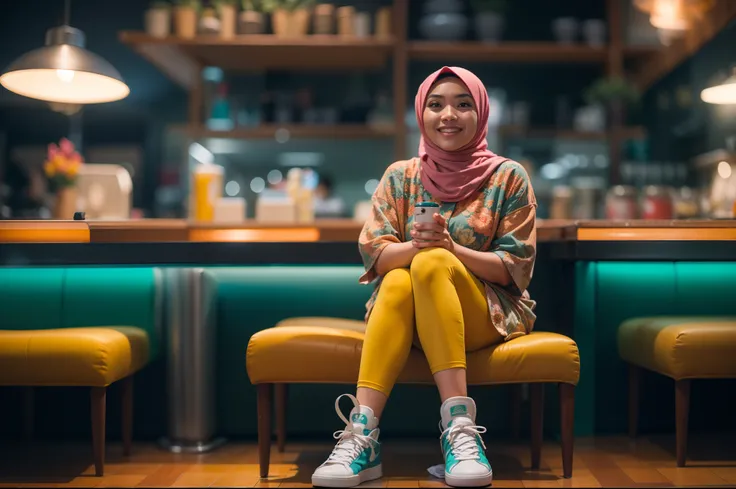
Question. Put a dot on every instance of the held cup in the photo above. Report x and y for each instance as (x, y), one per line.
(424, 213)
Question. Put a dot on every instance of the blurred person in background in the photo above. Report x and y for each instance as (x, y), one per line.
(326, 204)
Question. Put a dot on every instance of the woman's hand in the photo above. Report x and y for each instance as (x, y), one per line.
(433, 235)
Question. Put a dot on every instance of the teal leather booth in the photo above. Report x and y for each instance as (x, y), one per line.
(49, 298)
(248, 299)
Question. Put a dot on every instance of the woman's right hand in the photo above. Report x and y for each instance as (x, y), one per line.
(395, 255)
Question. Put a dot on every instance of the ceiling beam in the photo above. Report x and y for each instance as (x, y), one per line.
(700, 33)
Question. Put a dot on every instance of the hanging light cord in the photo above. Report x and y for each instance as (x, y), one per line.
(67, 11)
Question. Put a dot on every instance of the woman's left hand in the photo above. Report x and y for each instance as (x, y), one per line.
(433, 235)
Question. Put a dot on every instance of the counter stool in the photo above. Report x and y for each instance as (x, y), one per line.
(88, 357)
(298, 351)
(682, 348)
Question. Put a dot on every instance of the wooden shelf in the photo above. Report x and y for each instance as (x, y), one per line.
(624, 133)
(511, 52)
(519, 52)
(641, 52)
(181, 59)
(345, 131)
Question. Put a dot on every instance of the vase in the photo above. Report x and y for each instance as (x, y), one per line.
(158, 22)
(228, 21)
(346, 21)
(489, 26)
(565, 29)
(324, 19)
(290, 23)
(251, 22)
(383, 25)
(185, 22)
(66, 203)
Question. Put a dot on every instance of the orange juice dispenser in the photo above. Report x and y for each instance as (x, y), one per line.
(207, 186)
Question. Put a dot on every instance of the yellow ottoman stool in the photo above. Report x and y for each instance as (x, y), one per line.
(299, 351)
(682, 348)
(88, 357)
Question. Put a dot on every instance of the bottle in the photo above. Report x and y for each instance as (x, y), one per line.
(220, 119)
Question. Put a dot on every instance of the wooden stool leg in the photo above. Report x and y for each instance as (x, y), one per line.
(127, 409)
(515, 407)
(682, 410)
(537, 409)
(567, 426)
(98, 399)
(634, 389)
(264, 427)
(282, 391)
(29, 413)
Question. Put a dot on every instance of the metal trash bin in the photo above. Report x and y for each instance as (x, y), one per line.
(191, 351)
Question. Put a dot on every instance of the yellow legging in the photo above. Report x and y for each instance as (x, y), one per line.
(440, 300)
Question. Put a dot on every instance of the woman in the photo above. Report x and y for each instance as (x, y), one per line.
(459, 288)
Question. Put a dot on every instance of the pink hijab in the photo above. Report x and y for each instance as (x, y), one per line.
(455, 176)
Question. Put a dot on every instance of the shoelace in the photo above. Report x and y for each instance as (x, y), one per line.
(463, 440)
(350, 444)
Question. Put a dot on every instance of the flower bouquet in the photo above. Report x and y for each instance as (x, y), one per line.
(62, 167)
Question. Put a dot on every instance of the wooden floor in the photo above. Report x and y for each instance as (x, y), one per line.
(601, 462)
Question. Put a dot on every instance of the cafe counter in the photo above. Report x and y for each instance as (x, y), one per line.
(165, 275)
(172, 242)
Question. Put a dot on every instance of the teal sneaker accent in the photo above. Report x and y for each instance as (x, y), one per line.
(459, 410)
(370, 457)
(359, 418)
(466, 463)
(356, 457)
(476, 453)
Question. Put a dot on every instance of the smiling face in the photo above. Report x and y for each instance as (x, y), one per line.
(450, 115)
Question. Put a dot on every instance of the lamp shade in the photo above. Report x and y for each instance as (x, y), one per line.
(723, 93)
(64, 71)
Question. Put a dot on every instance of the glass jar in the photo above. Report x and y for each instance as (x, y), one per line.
(561, 205)
(621, 203)
(686, 204)
(657, 203)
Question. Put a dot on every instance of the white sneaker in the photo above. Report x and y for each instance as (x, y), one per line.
(466, 464)
(356, 457)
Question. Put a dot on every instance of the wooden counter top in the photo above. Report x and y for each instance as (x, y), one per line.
(660, 230)
(176, 230)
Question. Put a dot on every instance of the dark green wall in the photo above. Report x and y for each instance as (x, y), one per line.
(680, 132)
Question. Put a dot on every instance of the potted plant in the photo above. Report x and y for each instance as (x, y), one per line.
(290, 18)
(62, 167)
(185, 18)
(252, 19)
(489, 19)
(616, 95)
(228, 11)
(209, 22)
(158, 19)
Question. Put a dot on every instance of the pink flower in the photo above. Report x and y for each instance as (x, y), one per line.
(53, 151)
(67, 147)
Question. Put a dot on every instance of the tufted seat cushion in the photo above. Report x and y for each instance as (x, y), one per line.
(681, 347)
(299, 350)
(90, 357)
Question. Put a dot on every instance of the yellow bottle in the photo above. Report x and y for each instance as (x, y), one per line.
(207, 184)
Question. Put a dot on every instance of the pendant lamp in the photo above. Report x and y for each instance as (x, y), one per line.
(722, 94)
(674, 15)
(63, 71)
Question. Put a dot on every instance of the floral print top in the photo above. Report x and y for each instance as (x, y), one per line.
(499, 218)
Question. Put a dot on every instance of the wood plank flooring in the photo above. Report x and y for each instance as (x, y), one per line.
(599, 462)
